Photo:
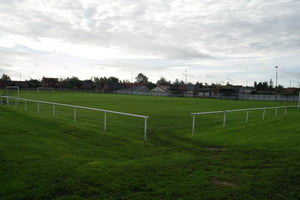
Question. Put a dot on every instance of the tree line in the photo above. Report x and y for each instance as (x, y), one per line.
(114, 83)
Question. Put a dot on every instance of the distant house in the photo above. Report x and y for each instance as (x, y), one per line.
(49, 82)
(187, 87)
(87, 84)
(3, 83)
(239, 89)
(231, 90)
(248, 90)
(136, 89)
(21, 84)
(205, 92)
(129, 85)
(161, 88)
(292, 90)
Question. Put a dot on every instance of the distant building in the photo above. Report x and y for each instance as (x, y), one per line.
(187, 88)
(205, 92)
(49, 82)
(248, 90)
(293, 91)
(21, 84)
(136, 89)
(129, 85)
(87, 84)
(161, 88)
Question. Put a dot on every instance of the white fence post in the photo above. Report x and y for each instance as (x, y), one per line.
(275, 116)
(7, 101)
(38, 108)
(263, 116)
(1, 100)
(53, 111)
(285, 112)
(80, 107)
(247, 115)
(193, 129)
(104, 122)
(74, 116)
(224, 120)
(145, 131)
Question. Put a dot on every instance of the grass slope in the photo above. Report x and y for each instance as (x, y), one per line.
(45, 159)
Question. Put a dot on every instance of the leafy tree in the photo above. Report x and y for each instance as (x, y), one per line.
(65, 83)
(34, 83)
(199, 85)
(141, 78)
(271, 83)
(75, 82)
(150, 85)
(113, 80)
(101, 81)
(5, 78)
(255, 85)
(163, 81)
(176, 82)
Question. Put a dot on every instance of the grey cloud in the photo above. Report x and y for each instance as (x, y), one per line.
(192, 30)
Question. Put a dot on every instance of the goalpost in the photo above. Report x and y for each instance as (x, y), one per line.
(45, 89)
(12, 91)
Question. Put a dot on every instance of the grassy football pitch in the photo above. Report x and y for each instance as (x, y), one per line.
(42, 158)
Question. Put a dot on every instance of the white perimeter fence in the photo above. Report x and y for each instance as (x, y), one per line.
(256, 97)
(7, 98)
(240, 110)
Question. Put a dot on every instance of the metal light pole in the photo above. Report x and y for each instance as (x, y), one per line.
(276, 83)
(186, 77)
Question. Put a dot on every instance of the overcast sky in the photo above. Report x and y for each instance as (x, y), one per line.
(236, 41)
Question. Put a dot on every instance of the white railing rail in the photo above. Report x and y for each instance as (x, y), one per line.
(76, 107)
(239, 110)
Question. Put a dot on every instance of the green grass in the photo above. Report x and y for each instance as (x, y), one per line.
(45, 159)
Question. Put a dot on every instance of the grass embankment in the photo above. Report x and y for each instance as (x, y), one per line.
(45, 159)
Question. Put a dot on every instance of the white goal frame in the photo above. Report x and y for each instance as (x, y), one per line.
(12, 87)
(46, 89)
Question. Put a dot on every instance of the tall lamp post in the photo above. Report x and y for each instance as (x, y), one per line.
(276, 83)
